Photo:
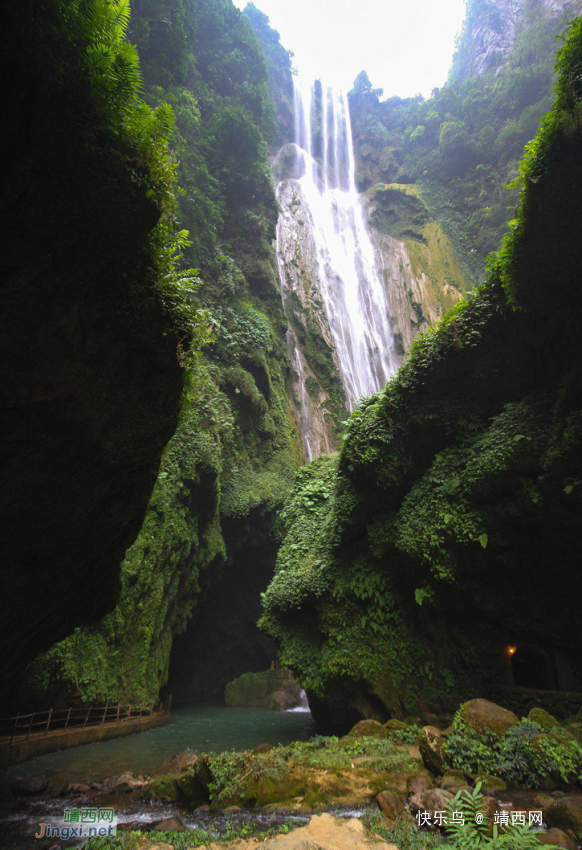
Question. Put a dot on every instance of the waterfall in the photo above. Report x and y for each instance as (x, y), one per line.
(350, 284)
(303, 705)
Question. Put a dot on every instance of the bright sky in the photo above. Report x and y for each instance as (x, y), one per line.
(406, 46)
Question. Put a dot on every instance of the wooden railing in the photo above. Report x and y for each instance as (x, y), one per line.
(25, 726)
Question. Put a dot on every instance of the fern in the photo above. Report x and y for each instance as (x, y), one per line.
(472, 830)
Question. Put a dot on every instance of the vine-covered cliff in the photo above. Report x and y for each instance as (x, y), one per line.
(446, 531)
(227, 471)
(91, 319)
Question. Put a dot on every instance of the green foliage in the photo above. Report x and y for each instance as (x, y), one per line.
(277, 775)
(521, 756)
(470, 833)
(471, 830)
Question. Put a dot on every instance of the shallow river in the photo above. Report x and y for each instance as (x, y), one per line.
(197, 729)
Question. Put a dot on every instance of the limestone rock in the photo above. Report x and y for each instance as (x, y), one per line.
(432, 750)
(433, 800)
(178, 763)
(75, 788)
(453, 780)
(170, 825)
(263, 690)
(417, 784)
(29, 787)
(489, 806)
(557, 838)
(544, 719)
(490, 783)
(491, 33)
(323, 832)
(390, 804)
(283, 700)
(565, 814)
(484, 716)
(288, 165)
(367, 729)
(127, 782)
(395, 724)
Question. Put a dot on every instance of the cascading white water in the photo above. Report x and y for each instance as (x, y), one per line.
(351, 288)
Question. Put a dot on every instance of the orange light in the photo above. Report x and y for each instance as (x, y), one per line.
(511, 650)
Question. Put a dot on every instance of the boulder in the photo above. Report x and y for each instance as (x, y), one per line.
(417, 784)
(75, 788)
(432, 749)
(367, 729)
(484, 716)
(288, 164)
(29, 787)
(395, 724)
(453, 780)
(433, 800)
(565, 813)
(544, 719)
(195, 782)
(263, 690)
(489, 806)
(283, 700)
(390, 805)
(178, 763)
(170, 825)
(127, 783)
(557, 838)
(490, 783)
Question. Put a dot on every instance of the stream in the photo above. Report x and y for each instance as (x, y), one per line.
(199, 729)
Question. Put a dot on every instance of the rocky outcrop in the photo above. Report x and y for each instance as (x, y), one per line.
(316, 391)
(415, 261)
(491, 28)
(263, 690)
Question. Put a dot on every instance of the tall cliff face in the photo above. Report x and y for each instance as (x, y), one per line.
(90, 380)
(491, 28)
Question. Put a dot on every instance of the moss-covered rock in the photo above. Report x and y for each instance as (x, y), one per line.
(490, 783)
(263, 690)
(480, 715)
(432, 749)
(303, 776)
(543, 719)
(367, 729)
(395, 724)
(565, 814)
(453, 780)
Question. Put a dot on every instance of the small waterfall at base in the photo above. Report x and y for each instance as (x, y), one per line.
(350, 284)
(303, 703)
